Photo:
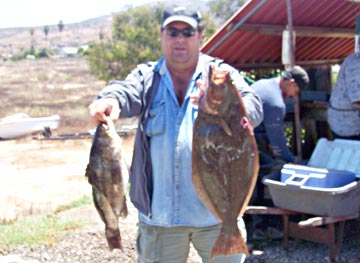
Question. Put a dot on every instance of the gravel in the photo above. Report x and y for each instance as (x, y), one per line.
(309, 252)
(88, 245)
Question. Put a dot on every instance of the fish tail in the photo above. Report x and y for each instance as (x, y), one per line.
(124, 210)
(229, 245)
(113, 238)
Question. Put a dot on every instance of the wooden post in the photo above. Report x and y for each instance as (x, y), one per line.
(296, 100)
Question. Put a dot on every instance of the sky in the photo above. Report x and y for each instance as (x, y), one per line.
(32, 13)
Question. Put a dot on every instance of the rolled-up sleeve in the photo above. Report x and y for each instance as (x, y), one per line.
(128, 92)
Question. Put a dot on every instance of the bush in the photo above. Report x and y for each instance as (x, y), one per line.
(42, 53)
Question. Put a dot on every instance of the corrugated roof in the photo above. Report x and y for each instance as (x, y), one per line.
(252, 37)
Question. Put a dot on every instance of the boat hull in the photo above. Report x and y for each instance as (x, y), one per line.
(22, 125)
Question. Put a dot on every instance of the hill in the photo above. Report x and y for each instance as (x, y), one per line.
(14, 40)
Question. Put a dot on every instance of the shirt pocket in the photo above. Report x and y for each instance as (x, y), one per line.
(156, 119)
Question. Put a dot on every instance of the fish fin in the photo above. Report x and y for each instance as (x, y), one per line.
(229, 245)
(89, 174)
(113, 238)
(110, 219)
(124, 210)
(87, 171)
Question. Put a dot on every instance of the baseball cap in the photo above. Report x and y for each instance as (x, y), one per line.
(181, 12)
(298, 74)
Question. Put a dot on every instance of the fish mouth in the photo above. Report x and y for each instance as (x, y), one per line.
(217, 88)
(216, 95)
(218, 77)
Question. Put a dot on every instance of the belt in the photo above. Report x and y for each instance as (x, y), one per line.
(334, 108)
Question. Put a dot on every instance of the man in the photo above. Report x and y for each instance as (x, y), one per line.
(344, 105)
(170, 213)
(270, 134)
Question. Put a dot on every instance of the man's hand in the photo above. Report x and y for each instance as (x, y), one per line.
(102, 108)
(194, 98)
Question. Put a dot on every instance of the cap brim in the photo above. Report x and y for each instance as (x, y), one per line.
(188, 20)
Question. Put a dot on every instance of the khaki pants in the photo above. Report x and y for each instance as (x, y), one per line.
(171, 245)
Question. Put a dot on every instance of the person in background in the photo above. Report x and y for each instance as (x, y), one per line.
(271, 138)
(344, 104)
(171, 216)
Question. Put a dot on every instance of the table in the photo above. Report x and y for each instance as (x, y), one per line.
(312, 228)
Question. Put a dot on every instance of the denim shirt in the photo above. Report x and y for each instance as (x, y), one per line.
(170, 129)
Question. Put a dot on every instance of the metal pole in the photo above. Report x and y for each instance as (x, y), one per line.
(357, 30)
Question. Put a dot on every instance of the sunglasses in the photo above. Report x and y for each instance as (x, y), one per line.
(186, 32)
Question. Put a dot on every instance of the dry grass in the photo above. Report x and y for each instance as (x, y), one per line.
(49, 86)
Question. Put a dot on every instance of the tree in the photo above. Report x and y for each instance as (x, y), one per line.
(46, 31)
(210, 27)
(32, 41)
(135, 39)
(61, 28)
(32, 31)
(222, 10)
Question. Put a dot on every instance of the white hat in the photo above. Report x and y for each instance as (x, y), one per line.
(181, 13)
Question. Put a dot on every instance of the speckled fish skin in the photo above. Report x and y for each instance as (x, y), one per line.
(108, 175)
(225, 159)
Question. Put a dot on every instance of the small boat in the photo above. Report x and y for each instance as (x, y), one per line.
(20, 124)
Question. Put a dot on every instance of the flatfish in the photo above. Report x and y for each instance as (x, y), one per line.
(108, 174)
(225, 159)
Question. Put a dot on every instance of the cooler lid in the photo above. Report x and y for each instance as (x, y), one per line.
(338, 154)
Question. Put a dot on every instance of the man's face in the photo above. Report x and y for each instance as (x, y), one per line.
(181, 43)
(292, 89)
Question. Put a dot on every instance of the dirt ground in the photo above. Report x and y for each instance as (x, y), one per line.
(38, 175)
